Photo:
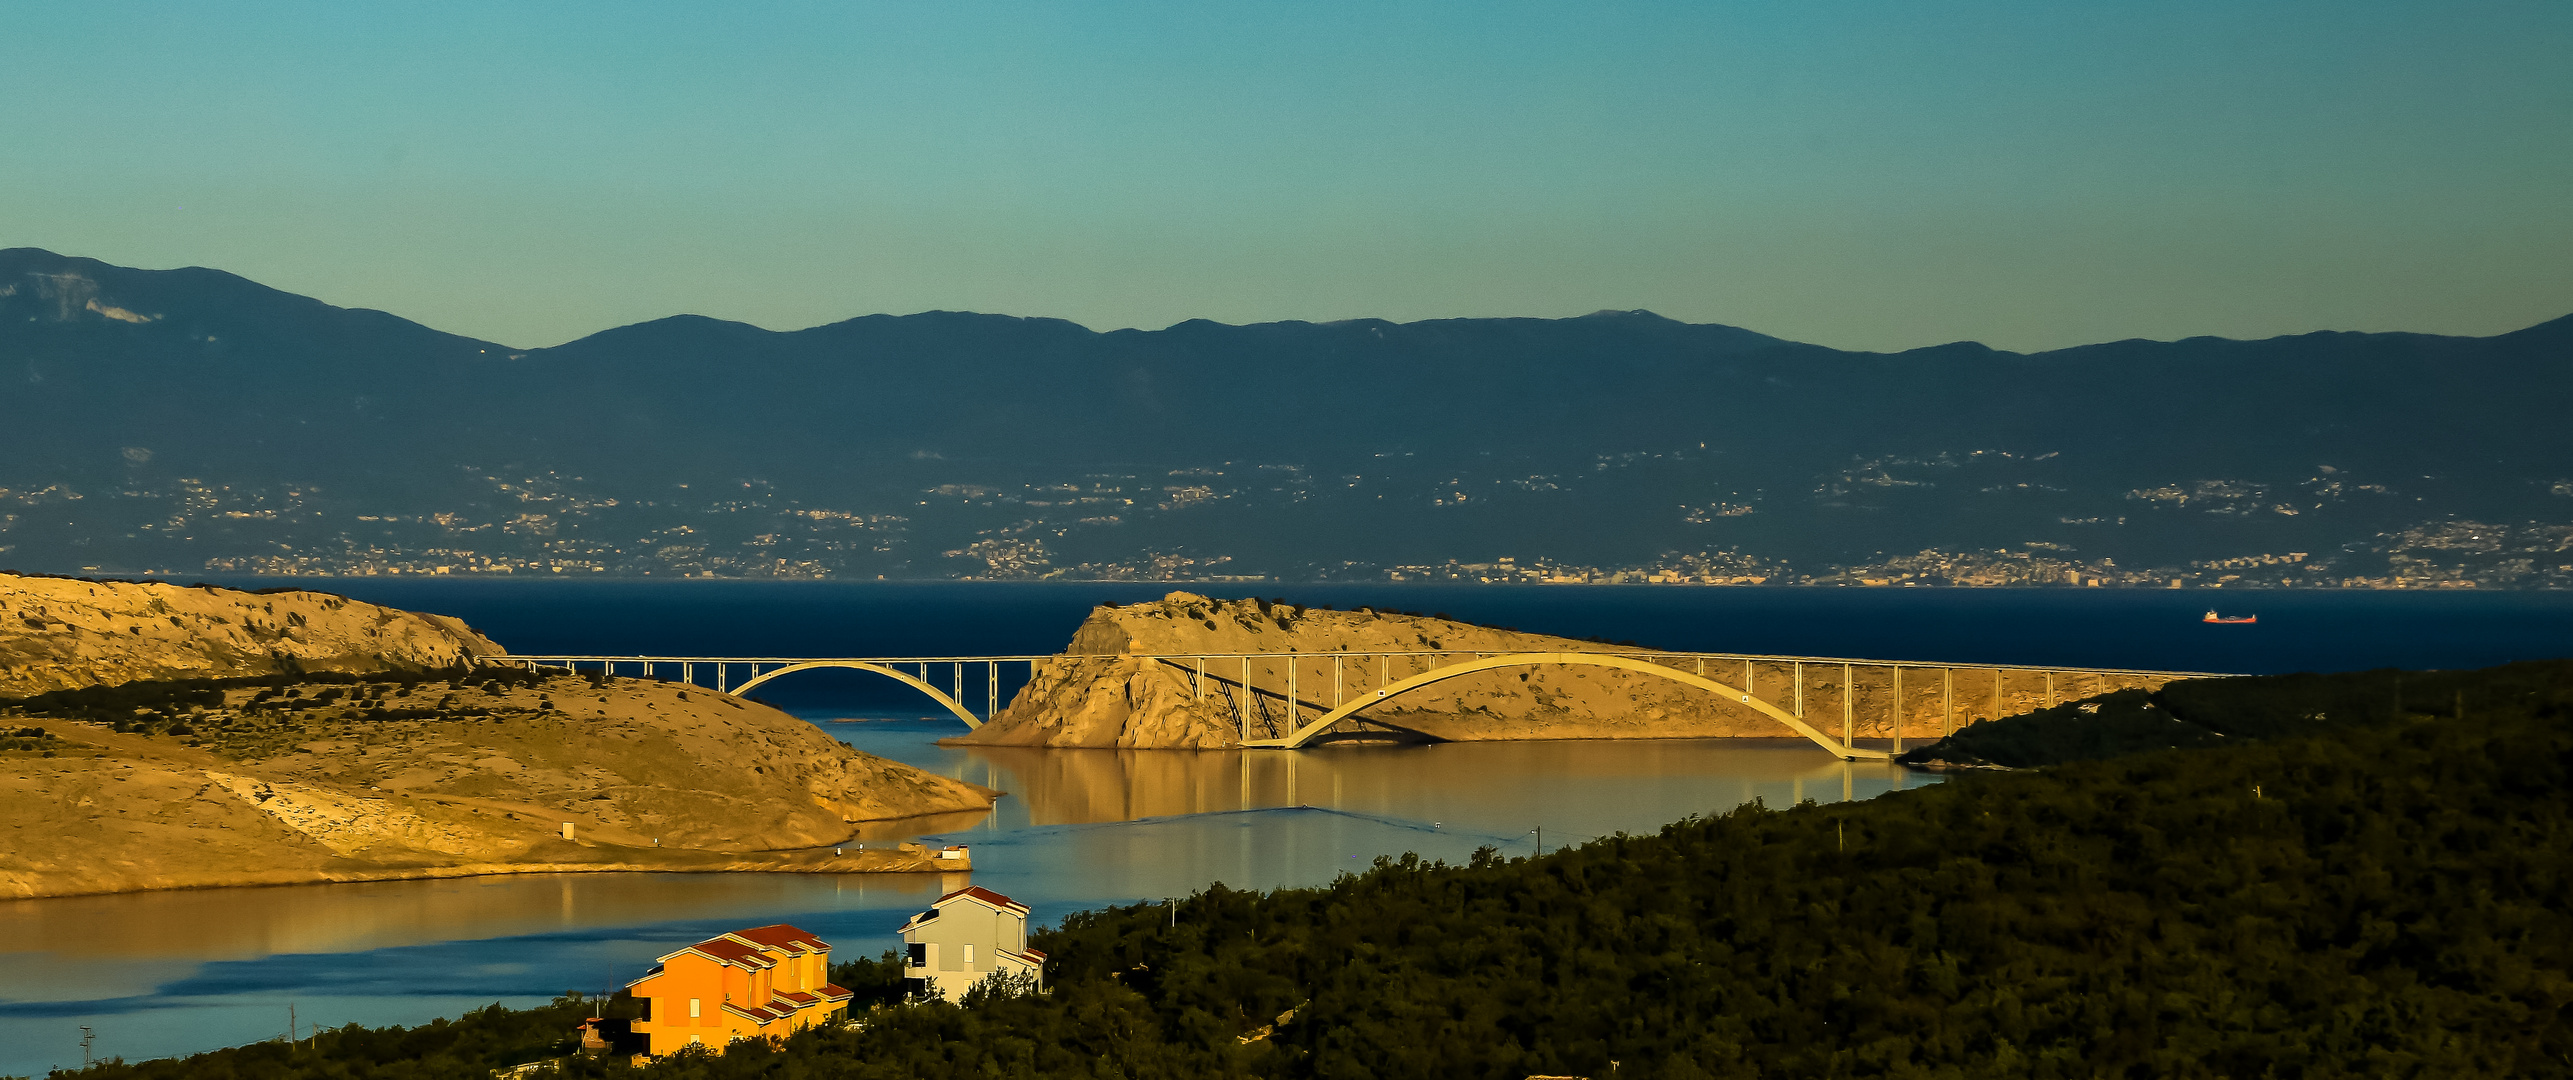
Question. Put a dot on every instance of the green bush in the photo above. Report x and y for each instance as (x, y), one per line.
(2387, 897)
(2208, 712)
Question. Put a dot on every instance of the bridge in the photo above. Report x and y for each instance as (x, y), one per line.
(1266, 692)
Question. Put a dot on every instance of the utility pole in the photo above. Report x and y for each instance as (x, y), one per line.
(85, 1036)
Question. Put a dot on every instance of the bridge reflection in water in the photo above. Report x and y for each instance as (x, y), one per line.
(1289, 700)
(175, 972)
(1479, 782)
(1121, 824)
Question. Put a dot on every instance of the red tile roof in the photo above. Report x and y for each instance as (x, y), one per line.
(781, 936)
(725, 950)
(987, 896)
(755, 1012)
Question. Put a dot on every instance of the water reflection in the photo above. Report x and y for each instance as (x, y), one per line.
(1589, 787)
(156, 974)
(1082, 827)
(88, 947)
(165, 973)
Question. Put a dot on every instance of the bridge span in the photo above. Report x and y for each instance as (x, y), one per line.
(1269, 692)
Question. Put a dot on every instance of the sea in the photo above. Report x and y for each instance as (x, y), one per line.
(157, 974)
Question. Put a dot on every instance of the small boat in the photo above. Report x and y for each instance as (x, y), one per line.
(2215, 618)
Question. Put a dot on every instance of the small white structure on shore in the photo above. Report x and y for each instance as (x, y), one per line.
(967, 936)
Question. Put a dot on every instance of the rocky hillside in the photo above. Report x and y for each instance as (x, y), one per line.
(1088, 454)
(1102, 693)
(159, 736)
(277, 780)
(60, 633)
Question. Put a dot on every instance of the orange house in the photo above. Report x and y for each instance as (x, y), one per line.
(764, 983)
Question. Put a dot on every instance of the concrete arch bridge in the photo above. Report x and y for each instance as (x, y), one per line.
(1280, 702)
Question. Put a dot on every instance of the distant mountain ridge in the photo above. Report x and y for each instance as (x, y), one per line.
(1286, 449)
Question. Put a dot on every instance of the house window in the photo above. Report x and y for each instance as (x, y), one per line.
(969, 956)
(920, 954)
(693, 1008)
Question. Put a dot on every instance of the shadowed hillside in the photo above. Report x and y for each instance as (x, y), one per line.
(206, 421)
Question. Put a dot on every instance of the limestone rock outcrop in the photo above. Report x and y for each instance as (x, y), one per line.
(61, 633)
(141, 777)
(1168, 674)
(1102, 692)
(262, 787)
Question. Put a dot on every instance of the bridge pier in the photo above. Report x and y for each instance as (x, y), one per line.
(1295, 715)
(1848, 706)
(1947, 702)
(1287, 726)
(1897, 709)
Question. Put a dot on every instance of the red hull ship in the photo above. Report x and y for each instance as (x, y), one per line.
(2215, 618)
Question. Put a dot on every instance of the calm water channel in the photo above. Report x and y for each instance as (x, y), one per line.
(165, 973)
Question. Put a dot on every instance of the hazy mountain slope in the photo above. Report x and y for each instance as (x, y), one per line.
(204, 420)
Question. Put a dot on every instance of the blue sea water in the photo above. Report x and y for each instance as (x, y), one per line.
(158, 974)
(2299, 630)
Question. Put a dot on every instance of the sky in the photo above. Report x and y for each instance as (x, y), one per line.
(1861, 175)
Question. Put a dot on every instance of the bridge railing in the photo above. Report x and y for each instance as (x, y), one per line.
(1268, 695)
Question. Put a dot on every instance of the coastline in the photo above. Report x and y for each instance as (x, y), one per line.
(868, 861)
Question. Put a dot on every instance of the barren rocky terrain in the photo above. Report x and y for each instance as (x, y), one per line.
(350, 781)
(57, 633)
(1104, 692)
(154, 736)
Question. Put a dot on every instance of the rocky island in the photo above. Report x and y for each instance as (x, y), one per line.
(154, 736)
(1129, 679)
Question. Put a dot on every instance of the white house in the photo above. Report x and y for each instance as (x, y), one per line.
(967, 936)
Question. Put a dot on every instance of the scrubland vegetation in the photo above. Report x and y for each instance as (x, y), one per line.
(2303, 876)
(262, 716)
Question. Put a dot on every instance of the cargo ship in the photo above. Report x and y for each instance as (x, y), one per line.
(2215, 618)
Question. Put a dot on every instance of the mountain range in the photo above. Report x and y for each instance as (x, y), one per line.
(191, 421)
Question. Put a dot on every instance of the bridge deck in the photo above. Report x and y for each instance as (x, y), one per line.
(1638, 654)
(1286, 725)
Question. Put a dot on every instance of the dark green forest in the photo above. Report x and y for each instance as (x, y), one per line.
(2213, 712)
(2290, 877)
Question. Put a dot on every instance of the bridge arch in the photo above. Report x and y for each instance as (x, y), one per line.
(1306, 734)
(904, 677)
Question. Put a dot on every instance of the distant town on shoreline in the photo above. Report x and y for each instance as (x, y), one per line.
(2448, 555)
(185, 422)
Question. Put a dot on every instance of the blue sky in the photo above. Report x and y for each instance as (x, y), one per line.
(1866, 175)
